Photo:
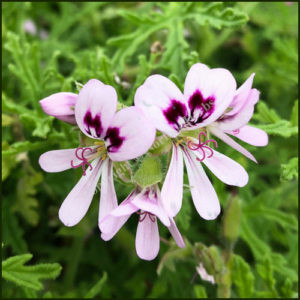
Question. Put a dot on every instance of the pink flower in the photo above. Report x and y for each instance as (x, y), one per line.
(119, 136)
(147, 204)
(207, 94)
(234, 122)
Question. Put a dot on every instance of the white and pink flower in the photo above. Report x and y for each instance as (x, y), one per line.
(147, 204)
(118, 136)
(207, 94)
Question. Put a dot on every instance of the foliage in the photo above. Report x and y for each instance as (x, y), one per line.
(251, 250)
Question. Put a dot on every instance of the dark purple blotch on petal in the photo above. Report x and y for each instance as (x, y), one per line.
(91, 122)
(205, 105)
(113, 135)
(174, 112)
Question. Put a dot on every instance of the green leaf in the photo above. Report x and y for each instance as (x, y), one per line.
(284, 219)
(294, 115)
(290, 170)
(258, 246)
(26, 203)
(231, 220)
(11, 230)
(242, 277)
(183, 218)
(213, 15)
(200, 291)
(149, 172)
(96, 289)
(14, 270)
(265, 270)
(282, 128)
(265, 114)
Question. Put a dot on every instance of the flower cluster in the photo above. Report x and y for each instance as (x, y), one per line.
(209, 105)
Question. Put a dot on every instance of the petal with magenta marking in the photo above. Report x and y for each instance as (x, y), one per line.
(95, 108)
(163, 103)
(129, 135)
(208, 93)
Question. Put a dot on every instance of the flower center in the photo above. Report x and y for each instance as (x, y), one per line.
(87, 154)
(144, 214)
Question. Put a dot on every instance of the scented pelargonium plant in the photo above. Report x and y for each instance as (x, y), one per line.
(130, 133)
(149, 150)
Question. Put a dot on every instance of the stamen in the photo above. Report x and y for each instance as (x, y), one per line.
(144, 214)
(192, 146)
(81, 157)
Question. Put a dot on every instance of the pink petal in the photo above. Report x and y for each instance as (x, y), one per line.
(242, 117)
(113, 221)
(251, 135)
(172, 189)
(147, 239)
(241, 96)
(95, 108)
(149, 202)
(133, 134)
(61, 106)
(215, 84)
(228, 140)
(226, 169)
(59, 160)
(154, 97)
(75, 206)
(176, 234)
(203, 194)
(108, 198)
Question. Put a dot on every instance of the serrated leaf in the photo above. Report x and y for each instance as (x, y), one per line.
(11, 230)
(265, 270)
(213, 15)
(265, 114)
(26, 203)
(290, 170)
(13, 270)
(242, 277)
(149, 172)
(282, 128)
(96, 289)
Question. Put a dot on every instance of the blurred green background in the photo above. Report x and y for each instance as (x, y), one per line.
(251, 249)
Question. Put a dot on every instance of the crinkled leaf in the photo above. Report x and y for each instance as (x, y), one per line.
(149, 172)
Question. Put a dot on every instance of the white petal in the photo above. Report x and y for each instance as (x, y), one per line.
(108, 198)
(147, 239)
(60, 160)
(172, 189)
(228, 140)
(203, 194)
(176, 234)
(226, 169)
(75, 206)
(251, 135)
